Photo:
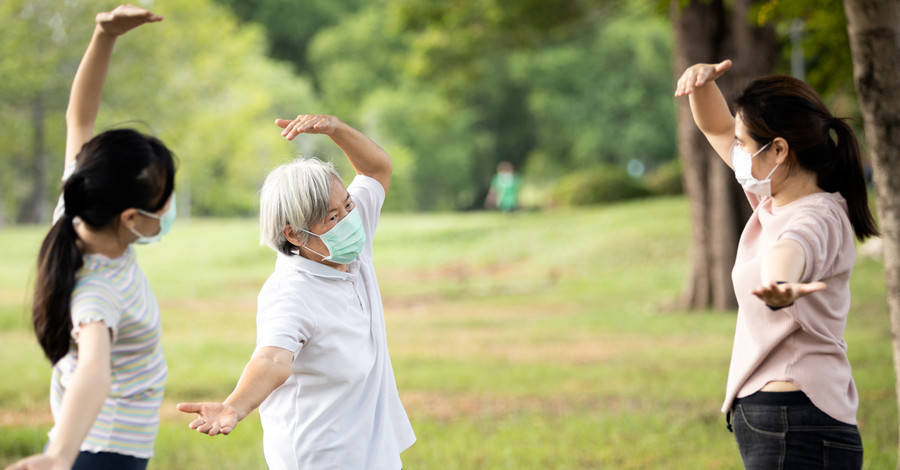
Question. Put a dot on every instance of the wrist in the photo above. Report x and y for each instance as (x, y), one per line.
(61, 454)
(102, 33)
(240, 411)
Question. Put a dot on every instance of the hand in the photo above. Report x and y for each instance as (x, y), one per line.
(215, 418)
(784, 294)
(699, 75)
(41, 462)
(308, 124)
(124, 18)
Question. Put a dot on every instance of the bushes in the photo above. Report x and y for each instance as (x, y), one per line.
(597, 185)
(603, 184)
(666, 179)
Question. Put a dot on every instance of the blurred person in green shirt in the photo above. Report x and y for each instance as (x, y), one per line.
(504, 192)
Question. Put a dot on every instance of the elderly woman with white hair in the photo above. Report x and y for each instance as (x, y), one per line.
(320, 375)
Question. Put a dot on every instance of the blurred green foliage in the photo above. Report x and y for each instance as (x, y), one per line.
(199, 80)
(598, 185)
(449, 89)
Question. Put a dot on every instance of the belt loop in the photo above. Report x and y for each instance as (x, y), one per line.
(728, 421)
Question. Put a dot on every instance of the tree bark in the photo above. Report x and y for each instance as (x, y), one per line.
(35, 207)
(706, 32)
(873, 27)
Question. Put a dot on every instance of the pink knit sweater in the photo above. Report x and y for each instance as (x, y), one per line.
(802, 343)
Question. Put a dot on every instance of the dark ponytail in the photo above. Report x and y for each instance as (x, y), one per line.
(58, 261)
(848, 177)
(116, 170)
(785, 107)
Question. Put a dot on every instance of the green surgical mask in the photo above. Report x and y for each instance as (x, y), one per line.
(345, 241)
(165, 224)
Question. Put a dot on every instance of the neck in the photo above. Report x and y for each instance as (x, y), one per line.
(100, 242)
(795, 187)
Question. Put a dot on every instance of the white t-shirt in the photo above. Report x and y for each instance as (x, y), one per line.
(339, 409)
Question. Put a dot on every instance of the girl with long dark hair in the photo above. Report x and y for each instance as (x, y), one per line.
(790, 396)
(94, 313)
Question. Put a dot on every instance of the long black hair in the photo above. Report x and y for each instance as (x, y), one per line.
(785, 107)
(115, 171)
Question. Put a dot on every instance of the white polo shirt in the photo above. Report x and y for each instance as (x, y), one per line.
(339, 409)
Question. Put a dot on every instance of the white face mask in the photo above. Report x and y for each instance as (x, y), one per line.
(742, 162)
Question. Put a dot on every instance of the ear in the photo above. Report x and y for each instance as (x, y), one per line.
(291, 236)
(782, 150)
(128, 217)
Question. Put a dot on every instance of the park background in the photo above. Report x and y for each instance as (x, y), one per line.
(557, 337)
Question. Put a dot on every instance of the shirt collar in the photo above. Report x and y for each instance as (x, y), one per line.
(299, 263)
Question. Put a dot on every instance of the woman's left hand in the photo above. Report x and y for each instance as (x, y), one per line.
(124, 18)
(781, 295)
(41, 462)
(308, 124)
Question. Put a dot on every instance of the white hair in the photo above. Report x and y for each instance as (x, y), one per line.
(294, 195)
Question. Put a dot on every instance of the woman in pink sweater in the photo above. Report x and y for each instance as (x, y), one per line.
(790, 393)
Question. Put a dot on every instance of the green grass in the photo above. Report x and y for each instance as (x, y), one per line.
(536, 340)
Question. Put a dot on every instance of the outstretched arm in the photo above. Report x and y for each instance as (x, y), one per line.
(782, 268)
(711, 113)
(81, 403)
(267, 370)
(84, 98)
(366, 156)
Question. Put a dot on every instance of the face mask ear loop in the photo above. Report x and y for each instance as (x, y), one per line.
(324, 258)
(769, 176)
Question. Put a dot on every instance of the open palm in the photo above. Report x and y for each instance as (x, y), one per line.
(124, 18)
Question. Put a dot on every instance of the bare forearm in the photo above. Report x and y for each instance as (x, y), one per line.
(367, 157)
(261, 377)
(84, 99)
(80, 405)
(87, 87)
(710, 111)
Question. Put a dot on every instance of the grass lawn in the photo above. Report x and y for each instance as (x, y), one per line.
(542, 340)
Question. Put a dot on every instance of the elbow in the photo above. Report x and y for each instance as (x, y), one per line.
(388, 169)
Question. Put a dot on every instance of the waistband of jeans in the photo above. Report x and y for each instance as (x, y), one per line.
(775, 398)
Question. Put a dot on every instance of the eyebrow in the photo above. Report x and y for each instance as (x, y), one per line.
(335, 209)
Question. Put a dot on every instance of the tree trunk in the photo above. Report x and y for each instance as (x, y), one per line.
(874, 30)
(35, 207)
(706, 32)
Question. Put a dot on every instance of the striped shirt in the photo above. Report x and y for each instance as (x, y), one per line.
(116, 292)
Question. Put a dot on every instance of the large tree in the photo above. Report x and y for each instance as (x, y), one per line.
(710, 31)
(874, 30)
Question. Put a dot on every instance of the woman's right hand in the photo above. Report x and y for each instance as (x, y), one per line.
(698, 75)
(124, 18)
(214, 418)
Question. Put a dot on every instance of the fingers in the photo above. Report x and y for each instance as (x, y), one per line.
(722, 67)
(304, 123)
(698, 75)
(189, 407)
(691, 79)
(211, 428)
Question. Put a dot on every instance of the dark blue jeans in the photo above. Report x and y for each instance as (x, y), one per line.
(108, 461)
(784, 430)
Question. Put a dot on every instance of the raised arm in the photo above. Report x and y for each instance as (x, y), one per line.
(708, 106)
(267, 370)
(366, 156)
(84, 98)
